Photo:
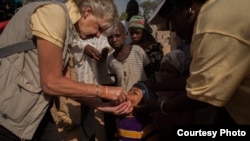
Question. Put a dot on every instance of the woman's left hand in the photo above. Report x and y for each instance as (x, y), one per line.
(121, 109)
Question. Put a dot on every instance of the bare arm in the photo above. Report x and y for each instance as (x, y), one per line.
(53, 81)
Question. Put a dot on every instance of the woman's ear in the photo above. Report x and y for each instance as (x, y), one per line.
(86, 12)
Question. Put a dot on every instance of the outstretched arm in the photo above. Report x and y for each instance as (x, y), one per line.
(53, 82)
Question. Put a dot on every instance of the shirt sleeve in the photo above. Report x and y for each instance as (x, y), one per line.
(143, 56)
(49, 22)
(218, 66)
(78, 47)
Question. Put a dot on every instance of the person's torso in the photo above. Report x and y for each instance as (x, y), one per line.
(130, 70)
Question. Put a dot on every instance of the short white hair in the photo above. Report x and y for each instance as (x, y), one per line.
(103, 9)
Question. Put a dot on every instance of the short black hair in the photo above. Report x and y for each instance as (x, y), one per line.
(180, 5)
(169, 5)
(132, 4)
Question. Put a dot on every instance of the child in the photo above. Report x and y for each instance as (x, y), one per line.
(126, 62)
(89, 58)
(137, 127)
(131, 10)
(140, 33)
(172, 66)
(90, 67)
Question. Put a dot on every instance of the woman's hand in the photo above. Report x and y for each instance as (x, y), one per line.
(121, 109)
(117, 94)
(92, 52)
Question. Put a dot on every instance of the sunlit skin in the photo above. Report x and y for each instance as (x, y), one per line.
(53, 81)
(168, 71)
(89, 26)
(136, 34)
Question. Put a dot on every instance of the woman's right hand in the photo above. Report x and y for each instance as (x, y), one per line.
(92, 52)
(117, 94)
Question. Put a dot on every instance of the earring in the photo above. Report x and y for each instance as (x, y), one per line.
(190, 10)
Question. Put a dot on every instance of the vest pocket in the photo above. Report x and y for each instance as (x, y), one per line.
(4, 66)
(18, 94)
(27, 84)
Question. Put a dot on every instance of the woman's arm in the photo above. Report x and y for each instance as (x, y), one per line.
(53, 81)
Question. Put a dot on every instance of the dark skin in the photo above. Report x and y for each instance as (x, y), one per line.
(132, 9)
(183, 23)
(117, 42)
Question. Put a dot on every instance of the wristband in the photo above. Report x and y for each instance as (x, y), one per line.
(161, 107)
(97, 90)
(106, 92)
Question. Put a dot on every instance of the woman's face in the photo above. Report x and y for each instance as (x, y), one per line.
(89, 26)
(136, 34)
(135, 96)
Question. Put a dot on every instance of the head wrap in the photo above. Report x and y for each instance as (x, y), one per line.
(147, 93)
(139, 22)
(175, 58)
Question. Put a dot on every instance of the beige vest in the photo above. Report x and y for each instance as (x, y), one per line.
(23, 103)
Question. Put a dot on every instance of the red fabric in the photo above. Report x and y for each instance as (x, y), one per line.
(2, 25)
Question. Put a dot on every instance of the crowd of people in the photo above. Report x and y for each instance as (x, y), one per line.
(80, 50)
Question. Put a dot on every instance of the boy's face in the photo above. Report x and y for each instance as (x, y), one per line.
(135, 96)
(136, 34)
(168, 71)
(117, 39)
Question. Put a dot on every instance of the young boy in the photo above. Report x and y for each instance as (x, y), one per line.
(140, 32)
(126, 62)
(137, 127)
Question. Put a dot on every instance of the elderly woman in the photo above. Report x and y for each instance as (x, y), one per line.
(34, 57)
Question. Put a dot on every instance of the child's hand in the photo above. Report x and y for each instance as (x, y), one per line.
(104, 54)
